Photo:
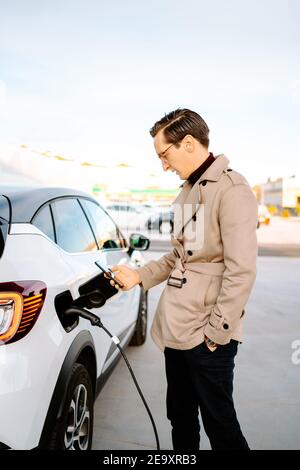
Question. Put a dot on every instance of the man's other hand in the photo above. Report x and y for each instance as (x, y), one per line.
(212, 346)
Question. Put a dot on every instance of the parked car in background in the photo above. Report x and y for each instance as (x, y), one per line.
(53, 365)
(264, 216)
(162, 220)
(129, 216)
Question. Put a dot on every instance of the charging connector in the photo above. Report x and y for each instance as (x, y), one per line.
(115, 339)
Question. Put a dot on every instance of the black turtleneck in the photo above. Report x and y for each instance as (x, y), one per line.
(201, 169)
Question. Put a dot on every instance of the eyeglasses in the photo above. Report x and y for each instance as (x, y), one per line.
(162, 154)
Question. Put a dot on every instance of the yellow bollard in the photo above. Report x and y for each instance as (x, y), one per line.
(285, 213)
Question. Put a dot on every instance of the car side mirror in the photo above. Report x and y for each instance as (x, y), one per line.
(138, 242)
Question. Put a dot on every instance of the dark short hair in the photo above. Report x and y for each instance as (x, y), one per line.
(177, 124)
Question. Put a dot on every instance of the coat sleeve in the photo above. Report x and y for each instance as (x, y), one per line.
(238, 224)
(155, 272)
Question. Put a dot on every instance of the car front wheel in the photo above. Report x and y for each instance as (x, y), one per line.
(74, 429)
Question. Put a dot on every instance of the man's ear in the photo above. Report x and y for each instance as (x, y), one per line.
(189, 143)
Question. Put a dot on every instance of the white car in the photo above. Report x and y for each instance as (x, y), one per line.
(162, 220)
(54, 365)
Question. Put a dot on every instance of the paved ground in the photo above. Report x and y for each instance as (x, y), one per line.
(267, 383)
(280, 238)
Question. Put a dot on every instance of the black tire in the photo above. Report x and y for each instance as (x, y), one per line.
(79, 392)
(140, 333)
(161, 222)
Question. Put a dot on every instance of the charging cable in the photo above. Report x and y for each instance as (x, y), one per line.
(96, 321)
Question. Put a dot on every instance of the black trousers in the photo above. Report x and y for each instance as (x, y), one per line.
(200, 378)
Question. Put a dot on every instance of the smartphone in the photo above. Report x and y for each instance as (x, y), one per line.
(108, 272)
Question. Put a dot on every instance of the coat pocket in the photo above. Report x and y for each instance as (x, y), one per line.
(213, 290)
(200, 319)
(195, 290)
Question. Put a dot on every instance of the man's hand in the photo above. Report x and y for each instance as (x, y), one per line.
(212, 346)
(126, 276)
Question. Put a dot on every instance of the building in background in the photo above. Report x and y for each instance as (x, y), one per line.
(281, 195)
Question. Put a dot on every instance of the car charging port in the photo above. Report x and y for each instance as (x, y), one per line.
(93, 294)
(62, 302)
(98, 284)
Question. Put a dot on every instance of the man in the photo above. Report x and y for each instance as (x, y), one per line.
(210, 273)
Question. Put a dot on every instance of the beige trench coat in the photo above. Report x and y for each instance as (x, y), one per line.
(213, 260)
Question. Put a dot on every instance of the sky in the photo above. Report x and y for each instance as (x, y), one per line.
(88, 78)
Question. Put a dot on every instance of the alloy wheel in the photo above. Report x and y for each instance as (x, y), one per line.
(78, 422)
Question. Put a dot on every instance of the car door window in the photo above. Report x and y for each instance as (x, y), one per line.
(107, 233)
(73, 232)
(43, 221)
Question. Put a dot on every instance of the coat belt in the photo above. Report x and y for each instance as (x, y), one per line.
(181, 265)
(214, 269)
